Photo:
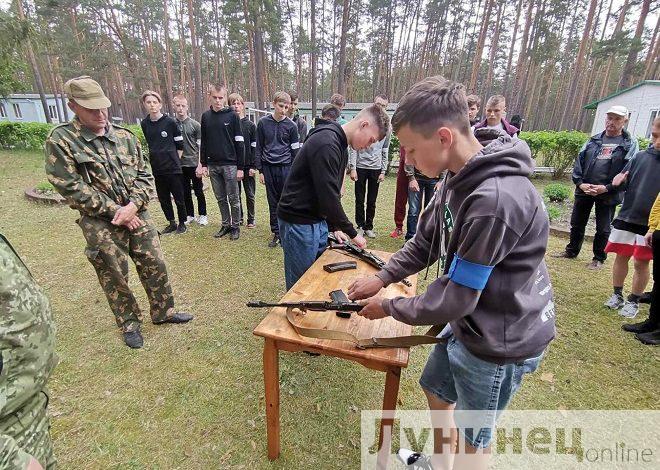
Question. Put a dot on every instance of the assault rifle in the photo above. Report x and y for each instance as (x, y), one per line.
(351, 249)
(339, 303)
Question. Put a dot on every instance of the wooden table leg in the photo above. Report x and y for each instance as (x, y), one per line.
(272, 392)
(392, 377)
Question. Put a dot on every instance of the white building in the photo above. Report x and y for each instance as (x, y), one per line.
(642, 101)
(28, 108)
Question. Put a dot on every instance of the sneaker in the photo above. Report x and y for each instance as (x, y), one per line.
(133, 339)
(629, 309)
(651, 338)
(203, 220)
(190, 220)
(645, 298)
(645, 326)
(178, 317)
(169, 229)
(370, 233)
(235, 233)
(274, 242)
(595, 265)
(222, 232)
(615, 302)
(241, 223)
(251, 225)
(396, 233)
(414, 460)
(563, 254)
(181, 228)
(360, 231)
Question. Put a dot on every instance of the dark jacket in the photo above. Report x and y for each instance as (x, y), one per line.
(489, 226)
(302, 127)
(587, 158)
(277, 141)
(164, 140)
(249, 130)
(641, 188)
(312, 190)
(222, 138)
(508, 128)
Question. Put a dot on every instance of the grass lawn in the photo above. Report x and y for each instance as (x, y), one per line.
(193, 397)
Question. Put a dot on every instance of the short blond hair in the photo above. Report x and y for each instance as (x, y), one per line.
(181, 97)
(235, 97)
(496, 99)
(378, 116)
(148, 93)
(281, 97)
(433, 103)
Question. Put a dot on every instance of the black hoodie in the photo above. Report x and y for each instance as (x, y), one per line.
(490, 226)
(222, 138)
(312, 190)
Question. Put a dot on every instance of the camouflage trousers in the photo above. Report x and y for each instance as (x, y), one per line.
(27, 433)
(109, 248)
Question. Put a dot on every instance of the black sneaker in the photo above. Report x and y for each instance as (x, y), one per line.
(235, 233)
(181, 229)
(651, 338)
(178, 317)
(563, 254)
(645, 298)
(222, 232)
(414, 460)
(133, 339)
(169, 229)
(645, 326)
(274, 242)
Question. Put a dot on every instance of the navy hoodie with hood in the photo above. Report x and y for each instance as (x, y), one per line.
(490, 226)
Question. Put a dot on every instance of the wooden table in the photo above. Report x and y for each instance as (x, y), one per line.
(278, 334)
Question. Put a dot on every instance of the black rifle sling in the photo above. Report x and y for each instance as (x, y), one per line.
(392, 342)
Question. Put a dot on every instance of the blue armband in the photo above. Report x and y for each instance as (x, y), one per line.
(469, 274)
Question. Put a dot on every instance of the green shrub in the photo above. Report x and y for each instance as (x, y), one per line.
(643, 143)
(23, 135)
(44, 186)
(556, 149)
(553, 213)
(557, 192)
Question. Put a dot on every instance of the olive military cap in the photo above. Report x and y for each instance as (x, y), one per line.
(86, 92)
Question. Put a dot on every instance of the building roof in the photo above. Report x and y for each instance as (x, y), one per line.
(594, 104)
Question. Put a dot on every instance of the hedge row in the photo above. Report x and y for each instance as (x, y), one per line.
(555, 149)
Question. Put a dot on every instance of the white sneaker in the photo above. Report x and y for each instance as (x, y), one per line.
(203, 220)
(370, 233)
(629, 310)
(190, 220)
(360, 232)
(615, 302)
(414, 460)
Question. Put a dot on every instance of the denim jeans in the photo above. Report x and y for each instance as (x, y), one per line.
(455, 375)
(426, 191)
(302, 245)
(225, 188)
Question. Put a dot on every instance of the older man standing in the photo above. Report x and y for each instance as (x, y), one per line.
(599, 161)
(99, 169)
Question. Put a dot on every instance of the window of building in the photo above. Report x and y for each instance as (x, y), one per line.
(17, 111)
(3, 111)
(52, 110)
(654, 114)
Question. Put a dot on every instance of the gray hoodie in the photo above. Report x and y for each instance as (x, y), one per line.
(373, 158)
(490, 226)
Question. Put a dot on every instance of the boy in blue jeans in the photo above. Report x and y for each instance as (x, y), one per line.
(488, 229)
(420, 191)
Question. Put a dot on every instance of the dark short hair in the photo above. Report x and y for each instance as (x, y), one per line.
(293, 95)
(432, 103)
(330, 112)
(378, 116)
(473, 100)
(338, 100)
(382, 96)
(217, 87)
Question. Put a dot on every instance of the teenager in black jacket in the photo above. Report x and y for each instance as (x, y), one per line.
(249, 130)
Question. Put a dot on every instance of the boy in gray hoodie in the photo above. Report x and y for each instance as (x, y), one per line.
(488, 229)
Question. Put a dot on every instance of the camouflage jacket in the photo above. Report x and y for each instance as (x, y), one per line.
(97, 174)
(27, 345)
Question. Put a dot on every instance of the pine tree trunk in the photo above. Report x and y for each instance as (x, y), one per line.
(313, 41)
(509, 63)
(653, 56)
(341, 71)
(169, 81)
(196, 61)
(627, 74)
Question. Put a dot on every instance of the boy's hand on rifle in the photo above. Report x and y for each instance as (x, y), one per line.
(365, 287)
(373, 308)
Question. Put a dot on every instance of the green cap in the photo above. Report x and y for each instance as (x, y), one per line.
(86, 92)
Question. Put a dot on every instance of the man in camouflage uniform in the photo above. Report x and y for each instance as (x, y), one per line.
(27, 348)
(99, 168)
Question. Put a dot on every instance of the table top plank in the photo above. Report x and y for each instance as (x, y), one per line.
(316, 284)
